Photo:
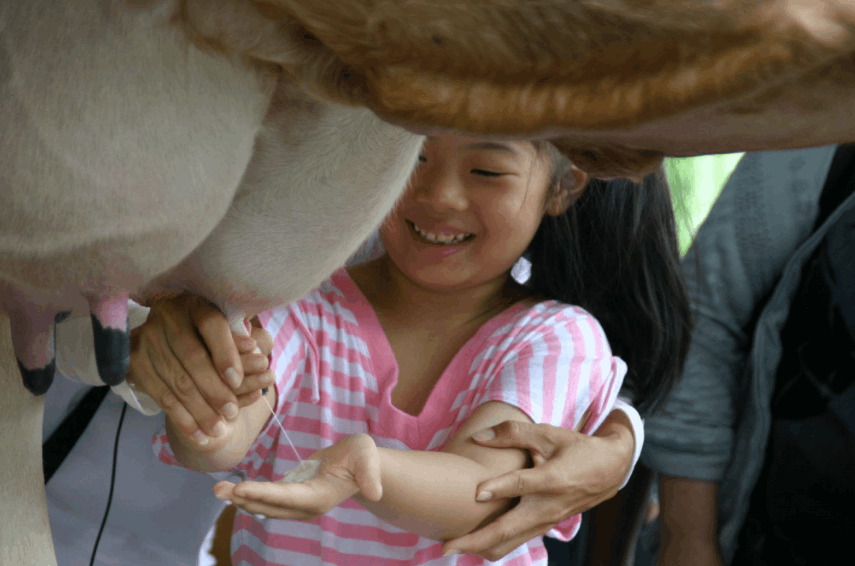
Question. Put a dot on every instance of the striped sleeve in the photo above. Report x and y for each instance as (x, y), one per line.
(288, 358)
(293, 345)
(560, 368)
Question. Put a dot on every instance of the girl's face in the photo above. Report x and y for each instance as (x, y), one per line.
(471, 209)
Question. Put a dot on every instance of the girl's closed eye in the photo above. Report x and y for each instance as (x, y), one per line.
(486, 173)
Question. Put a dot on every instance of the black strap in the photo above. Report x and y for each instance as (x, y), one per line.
(63, 439)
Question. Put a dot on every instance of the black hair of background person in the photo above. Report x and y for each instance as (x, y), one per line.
(615, 253)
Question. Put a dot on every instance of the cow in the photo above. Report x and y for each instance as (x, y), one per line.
(140, 139)
(121, 132)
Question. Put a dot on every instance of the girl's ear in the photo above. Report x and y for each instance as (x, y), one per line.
(572, 185)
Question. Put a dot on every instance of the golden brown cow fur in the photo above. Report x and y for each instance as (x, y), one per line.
(505, 66)
(579, 71)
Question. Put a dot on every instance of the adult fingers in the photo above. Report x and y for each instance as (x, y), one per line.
(253, 363)
(520, 483)
(245, 344)
(155, 369)
(182, 390)
(196, 383)
(257, 376)
(576, 476)
(181, 418)
(504, 543)
(263, 340)
(248, 399)
(215, 332)
(541, 440)
(506, 533)
(254, 382)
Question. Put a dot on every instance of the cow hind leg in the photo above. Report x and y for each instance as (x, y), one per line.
(112, 336)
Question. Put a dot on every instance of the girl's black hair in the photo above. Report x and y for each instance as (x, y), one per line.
(614, 252)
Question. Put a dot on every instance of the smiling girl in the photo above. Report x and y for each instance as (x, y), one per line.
(384, 372)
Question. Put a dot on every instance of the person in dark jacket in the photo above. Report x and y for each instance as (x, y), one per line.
(755, 447)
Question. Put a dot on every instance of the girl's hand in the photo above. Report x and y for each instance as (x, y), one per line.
(188, 360)
(572, 473)
(348, 467)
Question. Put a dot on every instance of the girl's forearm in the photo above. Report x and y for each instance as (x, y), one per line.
(432, 494)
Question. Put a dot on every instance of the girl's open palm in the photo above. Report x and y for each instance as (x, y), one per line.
(348, 467)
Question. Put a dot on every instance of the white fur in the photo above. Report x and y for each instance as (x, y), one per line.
(321, 179)
(121, 145)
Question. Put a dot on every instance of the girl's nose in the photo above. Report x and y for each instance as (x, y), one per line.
(440, 191)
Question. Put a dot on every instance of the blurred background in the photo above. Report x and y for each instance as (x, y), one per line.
(696, 183)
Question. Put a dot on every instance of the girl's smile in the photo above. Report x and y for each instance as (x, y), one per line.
(436, 245)
(442, 238)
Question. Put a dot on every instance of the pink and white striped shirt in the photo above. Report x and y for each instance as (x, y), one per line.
(335, 372)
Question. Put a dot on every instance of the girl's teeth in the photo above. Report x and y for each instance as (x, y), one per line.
(440, 238)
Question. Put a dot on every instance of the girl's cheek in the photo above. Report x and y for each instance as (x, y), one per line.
(388, 233)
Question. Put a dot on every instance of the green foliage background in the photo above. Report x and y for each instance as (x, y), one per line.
(696, 183)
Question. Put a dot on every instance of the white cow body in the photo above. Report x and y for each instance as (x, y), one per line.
(321, 179)
(119, 152)
(122, 146)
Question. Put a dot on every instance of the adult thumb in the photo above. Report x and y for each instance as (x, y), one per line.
(539, 439)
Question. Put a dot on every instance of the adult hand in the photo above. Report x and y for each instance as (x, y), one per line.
(348, 467)
(572, 472)
(188, 360)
